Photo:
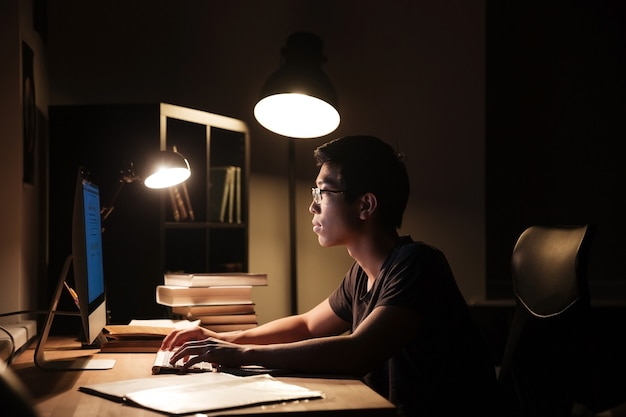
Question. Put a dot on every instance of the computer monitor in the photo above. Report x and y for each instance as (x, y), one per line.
(86, 260)
(87, 257)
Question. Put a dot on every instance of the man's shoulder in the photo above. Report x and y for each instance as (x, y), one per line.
(408, 245)
(420, 252)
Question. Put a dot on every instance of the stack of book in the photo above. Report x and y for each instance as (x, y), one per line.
(222, 302)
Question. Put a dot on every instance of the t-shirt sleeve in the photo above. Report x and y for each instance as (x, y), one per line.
(420, 278)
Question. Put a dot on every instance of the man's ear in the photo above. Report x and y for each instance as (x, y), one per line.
(369, 203)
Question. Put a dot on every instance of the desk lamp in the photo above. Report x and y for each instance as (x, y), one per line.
(165, 169)
(298, 101)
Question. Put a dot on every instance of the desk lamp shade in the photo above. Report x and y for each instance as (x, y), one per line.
(298, 100)
(162, 169)
(166, 169)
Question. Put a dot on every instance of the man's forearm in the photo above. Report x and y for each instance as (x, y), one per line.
(283, 330)
(332, 355)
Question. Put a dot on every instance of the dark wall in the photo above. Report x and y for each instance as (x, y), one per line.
(106, 140)
(555, 125)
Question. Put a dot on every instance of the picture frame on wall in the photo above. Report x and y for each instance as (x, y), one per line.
(29, 114)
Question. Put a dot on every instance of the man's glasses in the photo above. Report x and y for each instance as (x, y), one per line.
(317, 194)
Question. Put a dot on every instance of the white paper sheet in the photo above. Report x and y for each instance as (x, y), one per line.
(184, 394)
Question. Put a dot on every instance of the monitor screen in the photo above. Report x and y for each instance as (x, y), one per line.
(87, 256)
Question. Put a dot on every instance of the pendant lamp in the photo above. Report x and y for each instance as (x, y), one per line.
(298, 100)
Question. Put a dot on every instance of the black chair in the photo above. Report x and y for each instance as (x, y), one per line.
(545, 368)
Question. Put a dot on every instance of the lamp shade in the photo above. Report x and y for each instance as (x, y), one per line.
(298, 100)
(166, 169)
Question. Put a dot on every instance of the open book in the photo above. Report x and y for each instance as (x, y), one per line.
(194, 393)
(140, 335)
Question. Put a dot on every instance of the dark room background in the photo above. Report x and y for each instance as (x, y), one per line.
(555, 123)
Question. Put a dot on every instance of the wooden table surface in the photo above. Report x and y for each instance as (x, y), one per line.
(56, 394)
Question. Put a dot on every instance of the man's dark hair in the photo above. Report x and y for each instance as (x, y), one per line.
(368, 164)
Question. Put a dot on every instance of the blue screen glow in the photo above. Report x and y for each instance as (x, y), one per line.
(93, 239)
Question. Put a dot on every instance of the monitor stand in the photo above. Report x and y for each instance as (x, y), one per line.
(79, 363)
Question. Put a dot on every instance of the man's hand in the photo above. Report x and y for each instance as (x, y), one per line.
(210, 350)
(179, 336)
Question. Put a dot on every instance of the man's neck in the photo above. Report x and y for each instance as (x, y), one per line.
(371, 253)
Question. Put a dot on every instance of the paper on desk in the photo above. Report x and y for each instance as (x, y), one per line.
(117, 390)
(184, 394)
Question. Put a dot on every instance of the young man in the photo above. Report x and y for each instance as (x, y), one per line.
(397, 319)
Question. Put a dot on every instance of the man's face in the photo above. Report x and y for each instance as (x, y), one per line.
(333, 218)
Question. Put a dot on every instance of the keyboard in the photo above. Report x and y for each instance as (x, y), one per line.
(162, 364)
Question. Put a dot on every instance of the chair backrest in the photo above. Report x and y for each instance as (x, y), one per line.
(544, 365)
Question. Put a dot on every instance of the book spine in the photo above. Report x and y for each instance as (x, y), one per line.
(217, 280)
(231, 192)
(238, 193)
(179, 296)
(229, 327)
(180, 204)
(203, 310)
(227, 319)
(187, 201)
(224, 197)
(175, 211)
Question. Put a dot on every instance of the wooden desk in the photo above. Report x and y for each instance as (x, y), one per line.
(56, 393)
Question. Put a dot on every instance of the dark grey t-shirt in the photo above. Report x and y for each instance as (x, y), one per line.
(446, 368)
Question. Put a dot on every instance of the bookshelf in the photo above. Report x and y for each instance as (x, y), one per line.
(142, 239)
(217, 148)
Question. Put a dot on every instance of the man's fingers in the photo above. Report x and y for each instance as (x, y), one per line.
(196, 348)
